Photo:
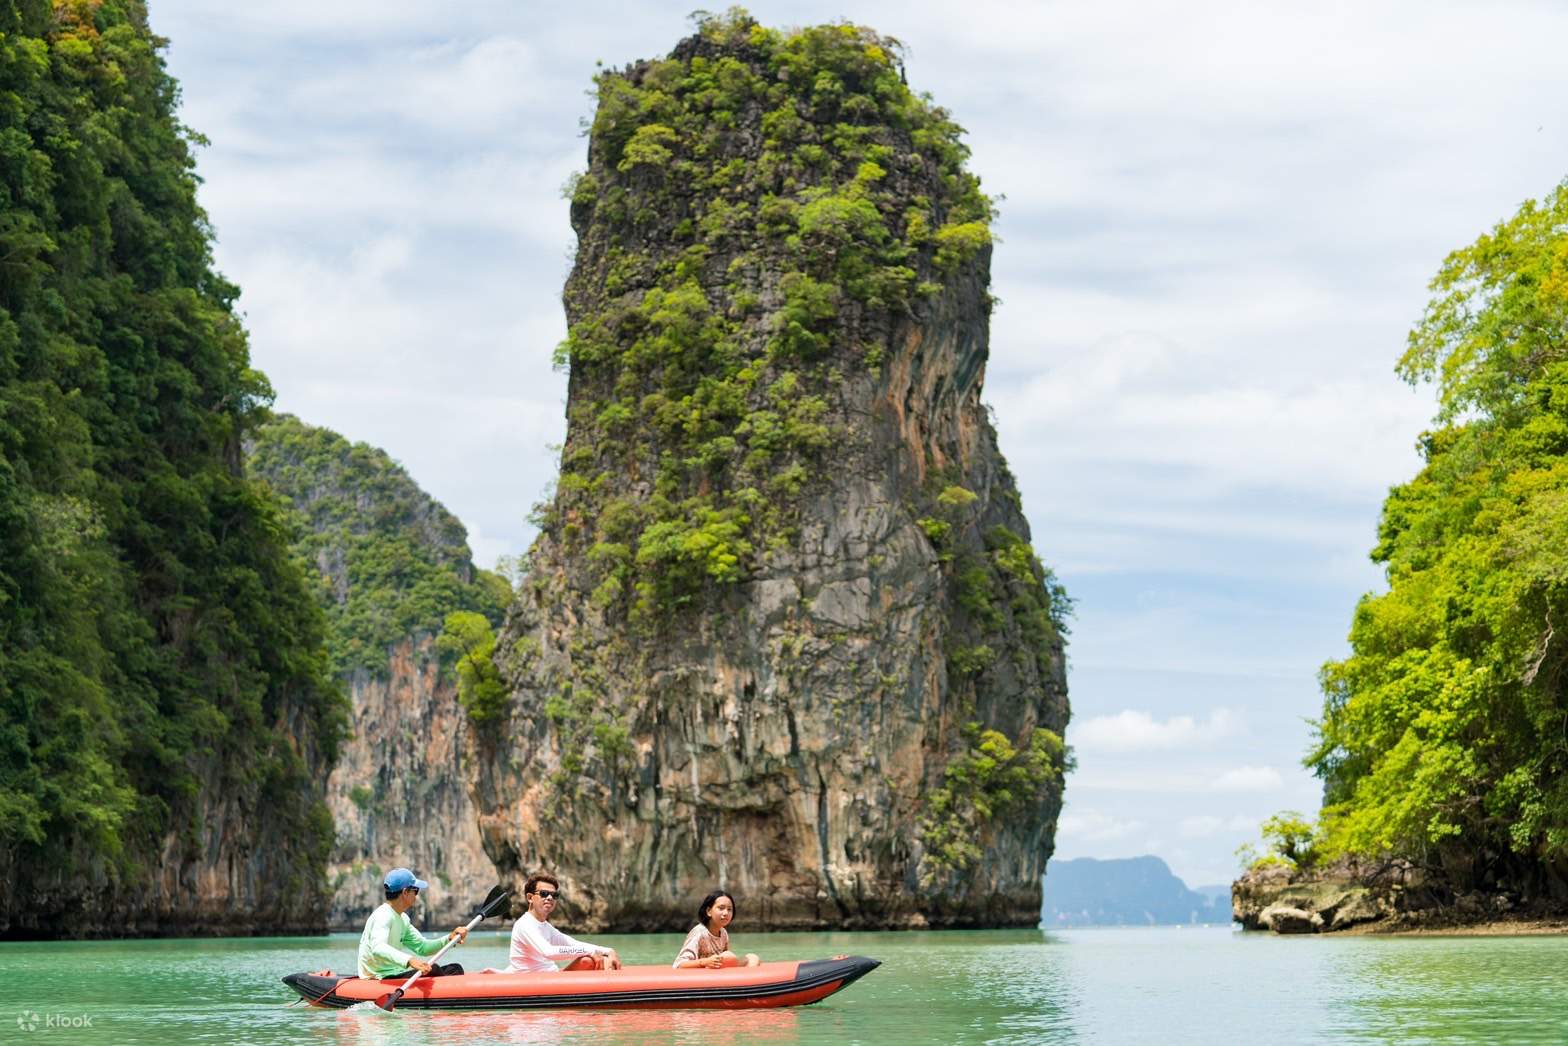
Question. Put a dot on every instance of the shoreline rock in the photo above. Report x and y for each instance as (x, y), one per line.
(1390, 897)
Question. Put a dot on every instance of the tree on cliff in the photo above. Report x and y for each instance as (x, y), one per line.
(387, 560)
(161, 661)
(1444, 736)
(783, 599)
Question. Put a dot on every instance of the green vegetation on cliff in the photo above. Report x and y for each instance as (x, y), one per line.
(157, 644)
(388, 561)
(759, 209)
(1444, 736)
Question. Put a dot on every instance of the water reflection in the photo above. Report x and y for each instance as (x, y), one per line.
(675, 1027)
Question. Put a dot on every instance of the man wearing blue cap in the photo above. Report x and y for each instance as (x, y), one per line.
(390, 946)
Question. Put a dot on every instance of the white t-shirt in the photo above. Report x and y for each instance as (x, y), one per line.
(536, 946)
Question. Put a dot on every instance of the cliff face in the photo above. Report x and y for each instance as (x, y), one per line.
(399, 795)
(783, 629)
(388, 562)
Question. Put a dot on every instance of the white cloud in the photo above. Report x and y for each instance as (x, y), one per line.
(1203, 826)
(1135, 731)
(1094, 827)
(479, 88)
(1248, 779)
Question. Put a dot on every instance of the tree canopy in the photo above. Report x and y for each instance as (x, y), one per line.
(1444, 735)
(156, 639)
(385, 559)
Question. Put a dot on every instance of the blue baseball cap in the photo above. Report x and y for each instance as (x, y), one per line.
(401, 879)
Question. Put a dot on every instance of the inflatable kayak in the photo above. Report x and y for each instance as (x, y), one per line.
(635, 987)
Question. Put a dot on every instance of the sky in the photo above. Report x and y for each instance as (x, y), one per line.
(1218, 224)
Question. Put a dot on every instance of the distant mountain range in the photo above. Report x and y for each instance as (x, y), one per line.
(1132, 891)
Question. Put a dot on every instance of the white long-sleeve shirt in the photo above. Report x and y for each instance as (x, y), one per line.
(536, 946)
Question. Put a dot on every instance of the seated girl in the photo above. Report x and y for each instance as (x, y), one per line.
(708, 944)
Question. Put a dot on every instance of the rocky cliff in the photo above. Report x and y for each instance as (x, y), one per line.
(399, 794)
(783, 629)
(389, 563)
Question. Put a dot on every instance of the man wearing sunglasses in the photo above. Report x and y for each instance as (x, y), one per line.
(390, 946)
(537, 946)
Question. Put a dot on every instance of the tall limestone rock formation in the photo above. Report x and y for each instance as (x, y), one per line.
(166, 718)
(389, 563)
(783, 629)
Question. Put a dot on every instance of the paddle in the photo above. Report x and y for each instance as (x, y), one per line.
(491, 905)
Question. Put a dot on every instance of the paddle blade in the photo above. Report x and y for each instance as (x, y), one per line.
(493, 902)
(386, 1002)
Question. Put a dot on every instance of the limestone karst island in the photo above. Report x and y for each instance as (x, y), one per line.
(779, 657)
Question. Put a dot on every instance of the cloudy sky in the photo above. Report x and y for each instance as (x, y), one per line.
(1219, 222)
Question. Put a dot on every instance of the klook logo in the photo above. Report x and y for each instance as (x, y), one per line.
(31, 1021)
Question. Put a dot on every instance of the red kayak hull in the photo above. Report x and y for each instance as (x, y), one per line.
(770, 984)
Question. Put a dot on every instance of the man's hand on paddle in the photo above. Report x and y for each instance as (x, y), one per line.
(461, 933)
(416, 963)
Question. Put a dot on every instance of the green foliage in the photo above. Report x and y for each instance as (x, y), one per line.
(989, 779)
(954, 497)
(469, 641)
(389, 562)
(1289, 839)
(970, 660)
(156, 638)
(1443, 733)
(804, 323)
(650, 145)
(957, 243)
(936, 530)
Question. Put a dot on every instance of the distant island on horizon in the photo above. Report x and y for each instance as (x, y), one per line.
(1129, 891)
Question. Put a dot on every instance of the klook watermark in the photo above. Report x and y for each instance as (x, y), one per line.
(30, 1020)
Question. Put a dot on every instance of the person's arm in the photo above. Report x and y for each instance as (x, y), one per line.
(547, 942)
(418, 943)
(563, 942)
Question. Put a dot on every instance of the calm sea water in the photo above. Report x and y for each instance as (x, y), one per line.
(1156, 985)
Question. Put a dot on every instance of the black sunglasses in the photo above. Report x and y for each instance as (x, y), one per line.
(545, 895)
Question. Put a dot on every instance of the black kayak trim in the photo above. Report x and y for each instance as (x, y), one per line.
(813, 973)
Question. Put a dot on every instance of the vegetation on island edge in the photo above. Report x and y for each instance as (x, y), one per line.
(1444, 734)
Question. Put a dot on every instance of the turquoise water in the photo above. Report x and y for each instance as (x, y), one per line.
(1155, 985)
